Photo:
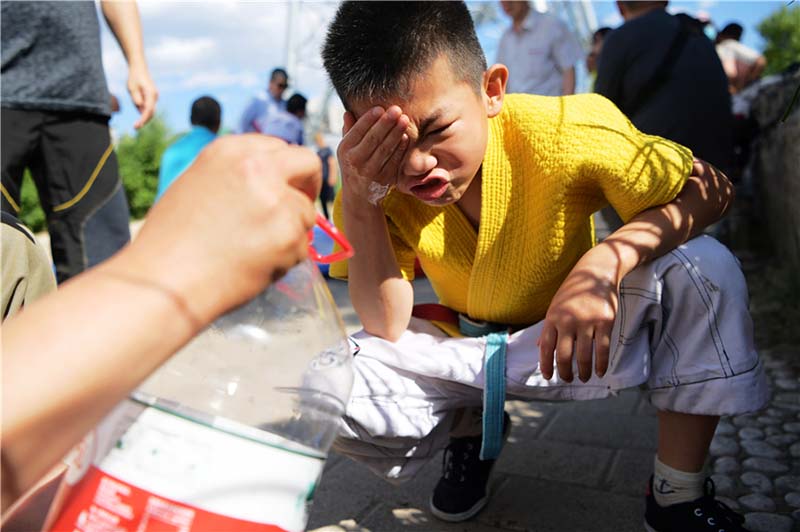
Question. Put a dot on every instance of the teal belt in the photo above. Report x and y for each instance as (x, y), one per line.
(494, 387)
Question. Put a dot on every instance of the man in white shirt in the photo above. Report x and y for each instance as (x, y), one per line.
(742, 64)
(539, 50)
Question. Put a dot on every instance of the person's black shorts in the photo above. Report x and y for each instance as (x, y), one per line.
(74, 167)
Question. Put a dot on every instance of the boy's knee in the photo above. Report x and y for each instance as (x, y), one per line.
(705, 272)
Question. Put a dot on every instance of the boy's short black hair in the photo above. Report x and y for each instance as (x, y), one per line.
(206, 112)
(296, 103)
(374, 49)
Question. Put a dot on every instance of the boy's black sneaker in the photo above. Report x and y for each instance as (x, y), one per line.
(705, 514)
(461, 491)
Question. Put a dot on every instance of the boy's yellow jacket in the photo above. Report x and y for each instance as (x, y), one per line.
(549, 164)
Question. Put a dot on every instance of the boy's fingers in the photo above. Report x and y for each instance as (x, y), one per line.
(564, 347)
(348, 122)
(392, 166)
(373, 147)
(360, 128)
(392, 144)
(547, 345)
(583, 353)
(602, 346)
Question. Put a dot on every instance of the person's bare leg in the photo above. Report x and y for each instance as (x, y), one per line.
(684, 439)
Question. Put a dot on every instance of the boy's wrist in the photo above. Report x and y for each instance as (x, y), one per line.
(615, 257)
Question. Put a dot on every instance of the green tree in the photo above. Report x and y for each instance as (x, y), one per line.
(139, 159)
(781, 31)
(31, 213)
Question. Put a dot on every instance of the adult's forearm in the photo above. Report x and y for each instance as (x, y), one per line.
(380, 296)
(104, 345)
(123, 19)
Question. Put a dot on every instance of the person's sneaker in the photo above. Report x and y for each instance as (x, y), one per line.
(461, 491)
(705, 514)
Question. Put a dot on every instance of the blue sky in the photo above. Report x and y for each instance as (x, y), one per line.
(226, 48)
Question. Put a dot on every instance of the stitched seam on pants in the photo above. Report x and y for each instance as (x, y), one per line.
(709, 379)
(621, 333)
(641, 292)
(682, 260)
(9, 198)
(676, 353)
(85, 190)
(714, 325)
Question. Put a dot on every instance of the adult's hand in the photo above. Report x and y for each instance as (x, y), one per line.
(239, 216)
(237, 219)
(144, 93)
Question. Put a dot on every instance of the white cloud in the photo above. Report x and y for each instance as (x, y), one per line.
(172, 52)
(220, 78)
(706, 4)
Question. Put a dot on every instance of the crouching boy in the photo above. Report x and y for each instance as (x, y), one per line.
(494, 193)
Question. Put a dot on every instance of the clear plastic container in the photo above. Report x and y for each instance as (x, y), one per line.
(232, 431)
(280, 363)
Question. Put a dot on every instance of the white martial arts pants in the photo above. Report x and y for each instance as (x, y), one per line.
(682, 332)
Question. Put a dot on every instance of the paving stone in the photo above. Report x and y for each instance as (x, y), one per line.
(792, 499)
(587, 428)
(645, 408)
(521, 504)
(549, 460)
(794, 450)
(787, 397)
(787, 405)
(761, 448)
(629, 472)
(777, 412)
(349, 491)
(773, 431)
(768, 420)
(751, 433)
(725, 428)
(796, 515)
(747, 420)
(787, 384)
(723, 484)
(757, 482)
(782, 440)
(771, 362)
(765, 465)
(732, 504)
(793, 426)
(787, 483)
(764, 522)
(724, 446)
(386, 517)
(757, 502)
(726, 464)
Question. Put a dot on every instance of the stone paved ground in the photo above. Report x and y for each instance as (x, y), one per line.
(573, 467)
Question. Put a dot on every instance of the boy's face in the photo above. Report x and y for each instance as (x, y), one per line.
(448, 133)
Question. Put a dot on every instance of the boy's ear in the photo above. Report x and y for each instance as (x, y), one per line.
(494, 88)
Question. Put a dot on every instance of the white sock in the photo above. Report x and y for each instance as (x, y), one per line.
(671, 486)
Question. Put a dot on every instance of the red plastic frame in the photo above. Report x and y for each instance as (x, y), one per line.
(345, 253)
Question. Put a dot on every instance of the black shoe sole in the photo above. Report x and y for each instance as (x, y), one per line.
(463, 516)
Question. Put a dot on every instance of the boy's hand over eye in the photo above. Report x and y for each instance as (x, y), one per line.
(372, 149)
(581, 313)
